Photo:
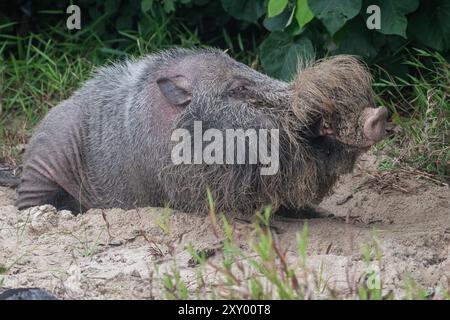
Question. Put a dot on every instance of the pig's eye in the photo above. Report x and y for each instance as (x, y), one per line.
(237, 90)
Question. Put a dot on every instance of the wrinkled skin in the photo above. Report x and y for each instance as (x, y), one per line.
(109, 144)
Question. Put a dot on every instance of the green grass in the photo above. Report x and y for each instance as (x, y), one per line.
(387, 164)
(420, 107)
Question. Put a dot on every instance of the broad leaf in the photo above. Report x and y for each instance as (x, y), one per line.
(146, 5)
(430, 25)
(280, 54)
(111, 6)
(334, 14)
(356, 40)
(279, 22)
(303, 13)
(124, 22)
(169, 6)
(276, 7)
(393, 15)
(247, 10)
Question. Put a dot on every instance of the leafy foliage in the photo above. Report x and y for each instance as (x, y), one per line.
(280, 54)
(276, 30)
(335, 14)
(430, 24)
(393, 17)
(276, 7)
(303, 13)
(402, 25)
(246, 10)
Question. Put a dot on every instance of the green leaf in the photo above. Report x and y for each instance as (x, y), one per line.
(356, 40)
(280, 54)
(393, 15)
(430, 25)
(146, 5)
(169, 6)
(279, 22)
(124, 23)
(276, 7)
(94, 13)
(303, 13)
(334, 14)
(111, 6)
(247, 10)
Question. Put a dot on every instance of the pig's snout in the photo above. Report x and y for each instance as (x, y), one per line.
(375, 124)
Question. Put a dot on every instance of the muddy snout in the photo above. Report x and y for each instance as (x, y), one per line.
(375, 124)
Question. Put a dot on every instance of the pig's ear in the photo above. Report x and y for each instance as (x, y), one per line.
(177, 90)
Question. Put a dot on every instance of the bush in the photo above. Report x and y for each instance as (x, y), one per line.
(279, 31)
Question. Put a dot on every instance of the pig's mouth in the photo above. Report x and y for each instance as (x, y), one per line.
(320, 131)
(373, 131)
(326, 137)
(326, 131)
(323, 134)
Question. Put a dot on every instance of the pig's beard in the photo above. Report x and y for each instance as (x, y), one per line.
(307, 174)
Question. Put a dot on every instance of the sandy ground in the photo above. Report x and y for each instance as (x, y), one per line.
(117, 254)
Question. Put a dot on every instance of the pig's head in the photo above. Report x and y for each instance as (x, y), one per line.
(334, 98)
